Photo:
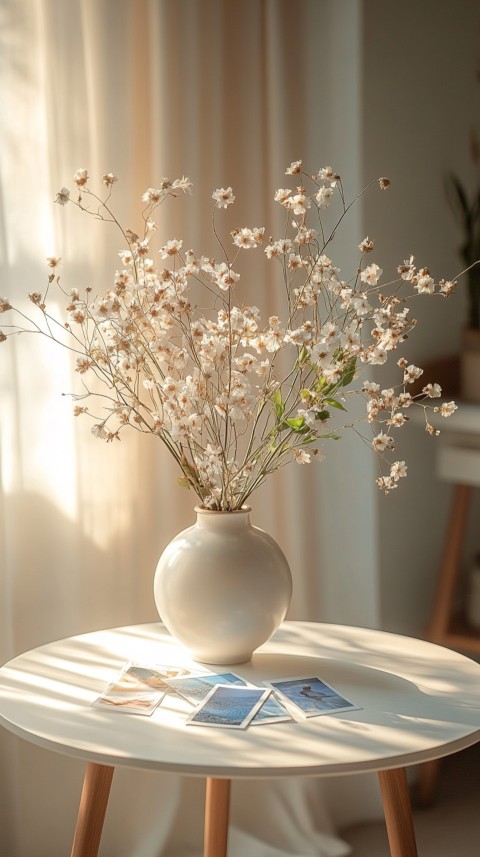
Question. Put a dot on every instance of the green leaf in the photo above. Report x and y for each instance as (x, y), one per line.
(334, 404)
(303, 356)
(349, 372)
(321, 386)
(297, 424)
(322, 415)
(183, 482)
(278, 404)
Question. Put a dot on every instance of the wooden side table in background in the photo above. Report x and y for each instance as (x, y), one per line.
(458, 462)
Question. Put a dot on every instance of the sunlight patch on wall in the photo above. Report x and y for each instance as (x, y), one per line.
(38, 450)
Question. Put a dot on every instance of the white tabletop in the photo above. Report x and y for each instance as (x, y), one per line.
(418, 702)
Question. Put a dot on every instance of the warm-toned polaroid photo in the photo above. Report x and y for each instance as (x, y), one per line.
(138, 689)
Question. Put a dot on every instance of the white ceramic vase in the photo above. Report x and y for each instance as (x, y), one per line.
(222, 587)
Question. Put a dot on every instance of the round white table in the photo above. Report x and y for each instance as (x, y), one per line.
(417, 701)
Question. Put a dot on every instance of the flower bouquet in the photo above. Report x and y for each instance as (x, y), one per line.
(233, 397)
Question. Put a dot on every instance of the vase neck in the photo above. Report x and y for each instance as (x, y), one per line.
(223, 521)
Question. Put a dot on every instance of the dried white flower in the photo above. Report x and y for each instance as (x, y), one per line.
(398, 470)
(425, 284)
(248, 238)
(323, 197)
(183, 184)
(366, 246)
(382, 441)
(371, 275)
(223, 197)
(300, 456)
(81, 177)
(109, 179)
(53, 261)
(327, 175)
(63, 196)
(446, 409)
(432, 391)
(100, 431)
(294, 168)
(446, 287)
(171, 248)
(411, 374)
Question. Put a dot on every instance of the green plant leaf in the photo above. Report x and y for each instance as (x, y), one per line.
(325, 389)
(297, 424)
(349, 372)
(278, 404)
(303, 356)
(334, 403)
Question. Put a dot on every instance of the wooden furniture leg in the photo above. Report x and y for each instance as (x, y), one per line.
(450, 564)
(426, 783)
(441, 615)
(91, 813)
(217, 808)
(398, 813)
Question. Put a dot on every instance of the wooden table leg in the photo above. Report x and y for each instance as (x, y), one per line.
(444, 599)
(217, 807)
(442, 613)
(426, 784)
(91, 813)
(398, 813)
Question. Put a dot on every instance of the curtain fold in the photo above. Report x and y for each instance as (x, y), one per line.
(226, 93)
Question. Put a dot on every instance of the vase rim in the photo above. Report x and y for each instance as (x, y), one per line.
(204, 511)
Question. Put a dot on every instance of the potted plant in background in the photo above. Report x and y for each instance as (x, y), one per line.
(172, 350)
(466, 206)
(467, 209)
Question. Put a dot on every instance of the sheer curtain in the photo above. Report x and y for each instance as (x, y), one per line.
(226, 93)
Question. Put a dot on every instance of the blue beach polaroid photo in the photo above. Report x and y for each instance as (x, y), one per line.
(195, 688)
(229, 706)
(272, 711)
(311, 696)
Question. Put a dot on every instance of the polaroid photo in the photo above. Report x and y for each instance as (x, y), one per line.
(138, 689)
(272, 711)
(311, 696)
(229, 706)
(195, 688)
